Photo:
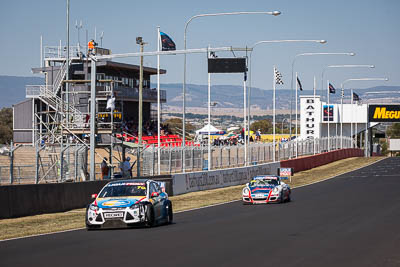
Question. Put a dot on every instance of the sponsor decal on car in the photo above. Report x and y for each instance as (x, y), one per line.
(125, 184)
(111, 215)
(113, 203)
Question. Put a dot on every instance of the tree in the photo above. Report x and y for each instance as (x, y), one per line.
(6, 125)
(265, 126)
(394, 130)
(175, 126)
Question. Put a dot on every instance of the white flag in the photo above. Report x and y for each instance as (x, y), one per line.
(111, 103)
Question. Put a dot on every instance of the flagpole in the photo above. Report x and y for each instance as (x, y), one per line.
(244, 122)
(209, 122)
(329, 114)
(296, 118)
(273, 110)
(352, 111)
(356, 132)
(315, 88)
(158, 104)
(341, 118)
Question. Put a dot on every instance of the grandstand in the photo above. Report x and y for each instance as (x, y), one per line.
(55, 117)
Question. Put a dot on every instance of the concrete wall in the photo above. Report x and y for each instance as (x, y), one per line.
(33, 199)
(309, 162)
(198, 181)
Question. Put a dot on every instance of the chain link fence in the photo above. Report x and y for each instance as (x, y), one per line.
(44, 165)
(24, 164)
(196, 157)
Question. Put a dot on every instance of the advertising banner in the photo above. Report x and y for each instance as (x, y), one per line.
(384, 113)
(328, 113)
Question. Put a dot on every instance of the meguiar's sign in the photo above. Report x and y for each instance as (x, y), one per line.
(384, 113)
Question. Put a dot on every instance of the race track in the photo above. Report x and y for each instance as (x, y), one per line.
(351, 220)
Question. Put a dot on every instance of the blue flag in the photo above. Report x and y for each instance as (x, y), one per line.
(166, 42)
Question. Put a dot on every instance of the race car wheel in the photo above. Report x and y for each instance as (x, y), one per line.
(149, 215)
(281, 198)
(170, 215)
(288, 198)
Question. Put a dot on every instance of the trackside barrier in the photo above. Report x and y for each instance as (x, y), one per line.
(203, 180)
(33, 199)
(309, 162)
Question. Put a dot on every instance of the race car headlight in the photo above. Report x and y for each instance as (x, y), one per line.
(93, 207)
(134, 206)
(275, 190)
(245, 191)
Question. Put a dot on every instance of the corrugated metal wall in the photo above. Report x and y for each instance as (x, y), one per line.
(23, 122)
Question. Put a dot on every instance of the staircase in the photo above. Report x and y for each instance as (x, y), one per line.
(58, 104)
(57, 83)
(50, 96)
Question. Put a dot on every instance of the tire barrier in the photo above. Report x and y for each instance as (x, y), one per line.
(33, 199)
(309, 162)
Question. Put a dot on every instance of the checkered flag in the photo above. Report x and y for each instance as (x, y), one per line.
(278, 77)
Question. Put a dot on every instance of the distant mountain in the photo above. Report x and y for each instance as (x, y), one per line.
(226, 96)
(12, 88)
(231, 96)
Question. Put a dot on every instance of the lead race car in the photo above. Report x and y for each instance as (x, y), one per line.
(128, 203)
(266, 189)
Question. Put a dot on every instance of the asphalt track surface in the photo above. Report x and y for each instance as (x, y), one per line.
(351, 220)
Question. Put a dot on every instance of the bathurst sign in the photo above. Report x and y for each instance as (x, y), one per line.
(384, 113)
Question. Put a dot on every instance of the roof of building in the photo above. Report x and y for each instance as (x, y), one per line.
(111, 64)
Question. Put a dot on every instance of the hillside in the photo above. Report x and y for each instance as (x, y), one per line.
(226, 96)
(13, 88)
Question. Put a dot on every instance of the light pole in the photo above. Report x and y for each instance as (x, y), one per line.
(291, 82)
(327, 89)
(284, 119)
(139, 41)
(250, 72)
(78, 27)
(274, 13)
(341, 107)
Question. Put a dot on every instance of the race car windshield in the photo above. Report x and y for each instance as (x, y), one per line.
(264, 182)
(123, 190)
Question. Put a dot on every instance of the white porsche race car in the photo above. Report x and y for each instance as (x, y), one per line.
(265, 189)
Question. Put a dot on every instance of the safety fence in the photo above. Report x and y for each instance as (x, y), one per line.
(27, 165)
(196, 157)
(44, 164)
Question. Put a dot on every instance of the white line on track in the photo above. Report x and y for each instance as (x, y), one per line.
(59, 232)
(209, 206)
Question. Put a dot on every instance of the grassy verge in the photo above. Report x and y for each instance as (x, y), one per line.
(47, 223)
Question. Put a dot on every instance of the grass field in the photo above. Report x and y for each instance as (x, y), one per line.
(74, 219)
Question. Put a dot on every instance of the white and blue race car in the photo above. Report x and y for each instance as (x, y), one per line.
(266, 189)
(129, 202)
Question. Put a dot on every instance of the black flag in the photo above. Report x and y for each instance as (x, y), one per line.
(332, 89)
(300, 86)
(166, 42)
(356, 97)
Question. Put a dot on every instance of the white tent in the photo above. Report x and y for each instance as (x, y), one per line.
(210, 128)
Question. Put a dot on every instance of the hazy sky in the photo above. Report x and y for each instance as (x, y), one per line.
(370, 28)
